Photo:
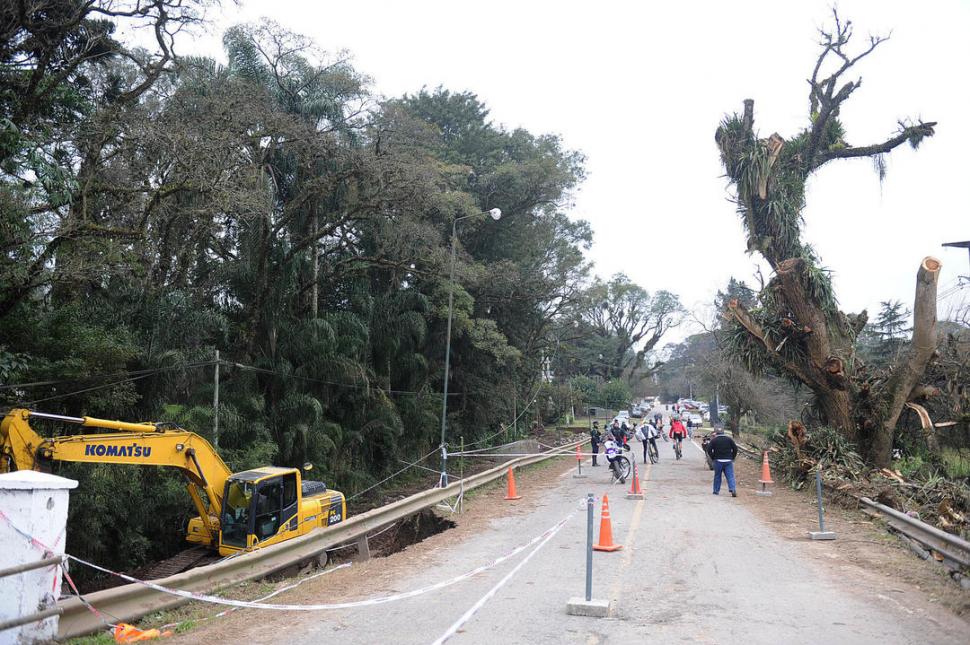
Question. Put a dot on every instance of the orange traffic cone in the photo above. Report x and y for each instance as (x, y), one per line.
(765, 476)
(606, 530)
(512, 494)
(635, 491)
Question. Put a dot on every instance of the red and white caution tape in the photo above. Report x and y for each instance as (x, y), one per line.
(501, 583)
(493, 455)
(190, 595)
(266, 597)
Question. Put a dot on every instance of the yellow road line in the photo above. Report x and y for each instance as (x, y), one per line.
(631, 536)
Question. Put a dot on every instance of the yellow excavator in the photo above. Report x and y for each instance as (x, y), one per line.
(237, 512)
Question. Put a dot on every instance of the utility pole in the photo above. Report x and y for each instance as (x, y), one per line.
(215, 406)
(515, 415)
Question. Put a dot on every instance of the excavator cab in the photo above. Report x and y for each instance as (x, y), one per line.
(258, 506)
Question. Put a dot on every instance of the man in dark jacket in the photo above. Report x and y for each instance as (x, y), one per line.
(595, 437)
(723, 451)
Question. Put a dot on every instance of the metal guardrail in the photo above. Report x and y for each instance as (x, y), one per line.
(30, 618)
(131, 601)
(10, 623)
(950, 546)
(30, 566)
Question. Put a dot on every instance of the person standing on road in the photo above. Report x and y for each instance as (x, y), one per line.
(723, 451)
(595, 438)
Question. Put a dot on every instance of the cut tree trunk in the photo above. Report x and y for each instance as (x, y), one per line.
(911, 365)
(836, 406)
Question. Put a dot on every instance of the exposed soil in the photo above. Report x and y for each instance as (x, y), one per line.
(867, 551)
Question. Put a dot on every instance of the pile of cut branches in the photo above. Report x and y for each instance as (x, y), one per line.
(939, 501)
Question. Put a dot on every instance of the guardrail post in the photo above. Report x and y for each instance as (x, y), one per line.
(821, 533)
(579, 465)
(589, 547)
(363, 548)
(586, 606)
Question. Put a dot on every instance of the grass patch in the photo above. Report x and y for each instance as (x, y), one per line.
(957, 462)
(102, 638)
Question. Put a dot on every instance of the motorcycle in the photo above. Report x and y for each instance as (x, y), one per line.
(619, 463)
(704, 443)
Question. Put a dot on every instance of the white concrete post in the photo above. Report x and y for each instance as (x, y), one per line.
(35, 503)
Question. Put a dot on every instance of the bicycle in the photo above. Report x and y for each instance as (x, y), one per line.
(620, 467)
(653, 452)
(678, 449)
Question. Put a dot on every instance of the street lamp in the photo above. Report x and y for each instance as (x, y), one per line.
(495, 214)
(959, 245)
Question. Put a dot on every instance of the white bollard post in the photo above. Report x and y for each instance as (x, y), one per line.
(35, 503)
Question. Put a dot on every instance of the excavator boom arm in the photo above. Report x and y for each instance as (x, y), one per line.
(142, 444)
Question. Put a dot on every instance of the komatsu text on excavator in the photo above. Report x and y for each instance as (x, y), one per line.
(237, 512)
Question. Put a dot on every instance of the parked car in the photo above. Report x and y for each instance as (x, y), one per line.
(696, 419)
(623, 416)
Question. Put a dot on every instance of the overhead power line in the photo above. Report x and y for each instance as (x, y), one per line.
(141, 374)
(98, 377)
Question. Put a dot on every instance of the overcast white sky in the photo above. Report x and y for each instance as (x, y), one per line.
(640, 89)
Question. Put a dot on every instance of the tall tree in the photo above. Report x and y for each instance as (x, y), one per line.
(798, 329)
(615, 327)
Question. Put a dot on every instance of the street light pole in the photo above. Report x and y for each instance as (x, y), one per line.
(443, 481)
(495, 214)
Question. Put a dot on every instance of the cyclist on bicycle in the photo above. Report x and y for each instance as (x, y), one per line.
(651, 432)
(678, 433)
(641, 434)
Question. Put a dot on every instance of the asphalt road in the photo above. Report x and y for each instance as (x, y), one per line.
(694, 568)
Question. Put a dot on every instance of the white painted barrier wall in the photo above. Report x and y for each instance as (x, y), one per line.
(35, 503)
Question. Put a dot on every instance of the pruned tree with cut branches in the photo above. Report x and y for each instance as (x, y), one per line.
(796, 328)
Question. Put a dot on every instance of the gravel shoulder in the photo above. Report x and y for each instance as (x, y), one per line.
(867, 553)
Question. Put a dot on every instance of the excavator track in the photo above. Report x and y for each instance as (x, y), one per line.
(196, 556)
